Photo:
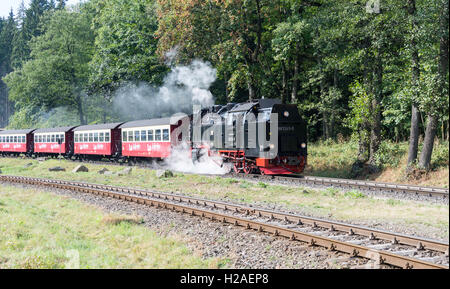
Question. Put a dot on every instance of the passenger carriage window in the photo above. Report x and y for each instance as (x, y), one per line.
(53, 138)
(157, 135)
(15, 139)
(124, 136)
(24, 139)
(143, 135)
(165, 134)
(101, 137)
(96, 137)
(91, 137)
(47, 138)
(137, 136)
(150, 135)
(130, 136)
(7, 139)
(75, 138)
(106, 136)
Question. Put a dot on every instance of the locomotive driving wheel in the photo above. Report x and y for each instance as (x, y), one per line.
(248, 168)
(237, 167)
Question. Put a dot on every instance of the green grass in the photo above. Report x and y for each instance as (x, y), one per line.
(43, 230)
(350, 206)
(335, 159)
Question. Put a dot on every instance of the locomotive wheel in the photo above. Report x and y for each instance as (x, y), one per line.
(248, 169)
(236, 167)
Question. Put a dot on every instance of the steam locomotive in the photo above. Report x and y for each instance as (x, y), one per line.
(262, 136)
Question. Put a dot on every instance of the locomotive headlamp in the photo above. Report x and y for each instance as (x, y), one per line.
(303, 145)
(272, 146)
(286, 113)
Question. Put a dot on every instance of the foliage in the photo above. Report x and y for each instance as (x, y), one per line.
(347, 69)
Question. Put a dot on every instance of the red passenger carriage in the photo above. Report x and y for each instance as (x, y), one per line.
(54, 141)
(149, 138)
(16, 141)
(101, 140)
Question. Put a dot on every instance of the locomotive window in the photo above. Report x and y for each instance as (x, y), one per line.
(143, 135)
(124, 136)
(158, 135)
(137, 136)
(101, 137)
(91, 137)
(106, 136)
(150, 135)
(96, 137)
(165, 134)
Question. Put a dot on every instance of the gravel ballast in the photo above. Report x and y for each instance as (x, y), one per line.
(240, 248)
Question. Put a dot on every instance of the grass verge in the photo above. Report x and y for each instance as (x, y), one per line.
(335, 159)
(43, 230)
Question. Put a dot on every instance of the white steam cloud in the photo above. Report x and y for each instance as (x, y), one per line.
(183, 87)
(180, 160)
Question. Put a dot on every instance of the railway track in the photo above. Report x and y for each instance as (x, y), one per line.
(442, 193)
(369, 186)
(380, 247)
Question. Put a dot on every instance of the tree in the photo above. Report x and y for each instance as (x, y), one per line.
(439, 80)
(29, 29)
(415, 74)
(57, 73)
(7, 31)
(125, 46)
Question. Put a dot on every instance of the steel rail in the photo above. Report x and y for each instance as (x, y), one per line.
(380, 256)
(352, 184)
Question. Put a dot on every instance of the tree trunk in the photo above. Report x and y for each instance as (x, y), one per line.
(295, 80)
(363, 155)
(80, 109)
(375, 128)
(428, 142)
(415, 114)
(251, 90)
(284, 91)
(414, 135)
